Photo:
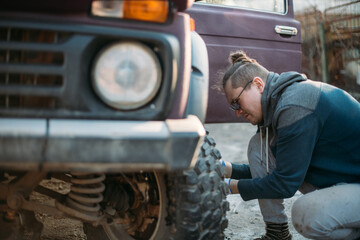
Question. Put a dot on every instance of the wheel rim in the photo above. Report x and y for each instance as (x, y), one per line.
(117, 231)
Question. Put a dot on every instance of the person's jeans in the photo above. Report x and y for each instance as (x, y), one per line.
(329, 213)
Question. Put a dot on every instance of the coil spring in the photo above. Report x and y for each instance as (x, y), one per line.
(86, 192)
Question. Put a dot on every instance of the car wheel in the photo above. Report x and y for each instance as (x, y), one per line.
(188, 204)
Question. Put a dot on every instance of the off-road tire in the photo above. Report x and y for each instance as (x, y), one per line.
(195, 200)
(200, 197)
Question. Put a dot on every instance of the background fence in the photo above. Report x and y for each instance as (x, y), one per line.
(331, 44)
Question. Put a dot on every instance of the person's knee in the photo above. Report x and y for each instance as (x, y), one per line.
(329, 213)
(254, 147)
(254, 157)
(254, 142)
(258, 157)
(306, 214)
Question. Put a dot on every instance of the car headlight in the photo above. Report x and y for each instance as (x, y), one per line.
(126, 75)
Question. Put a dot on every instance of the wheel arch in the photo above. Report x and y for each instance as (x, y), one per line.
(199, 81)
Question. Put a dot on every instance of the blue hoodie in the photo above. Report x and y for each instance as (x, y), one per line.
(315, 137)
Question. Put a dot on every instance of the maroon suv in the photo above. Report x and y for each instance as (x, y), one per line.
(111, 97)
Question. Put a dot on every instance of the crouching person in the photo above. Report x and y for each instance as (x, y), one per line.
(308, 140)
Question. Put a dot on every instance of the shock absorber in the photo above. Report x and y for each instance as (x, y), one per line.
(84, 197)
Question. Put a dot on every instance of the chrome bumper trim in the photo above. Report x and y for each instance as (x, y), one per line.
(66, 144)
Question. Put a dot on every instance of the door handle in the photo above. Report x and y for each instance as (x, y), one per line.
(285, 30)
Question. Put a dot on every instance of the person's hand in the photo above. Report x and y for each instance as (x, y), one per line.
(232, 184)
(228, 168)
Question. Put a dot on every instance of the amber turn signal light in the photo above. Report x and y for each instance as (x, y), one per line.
(192, 24)
(141, 10)
(153, 11)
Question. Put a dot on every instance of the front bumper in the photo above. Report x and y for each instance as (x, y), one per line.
(99, 145)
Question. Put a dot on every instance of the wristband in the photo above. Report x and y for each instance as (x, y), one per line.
(228, 180)
(223, 163)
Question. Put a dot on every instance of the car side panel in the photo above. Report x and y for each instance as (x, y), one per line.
(228, 29)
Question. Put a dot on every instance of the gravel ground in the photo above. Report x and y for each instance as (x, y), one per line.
(245, 220)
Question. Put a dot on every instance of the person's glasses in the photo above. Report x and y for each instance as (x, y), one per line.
(234, 105)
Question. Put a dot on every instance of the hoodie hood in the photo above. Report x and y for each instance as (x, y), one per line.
(274, 87)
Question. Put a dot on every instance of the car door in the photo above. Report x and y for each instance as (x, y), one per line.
(266, 30)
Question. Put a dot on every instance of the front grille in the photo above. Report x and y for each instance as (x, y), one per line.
(29, 74)
(45, 70)
(32, 35)
(31, 57)
(30, 79)
(29, 102)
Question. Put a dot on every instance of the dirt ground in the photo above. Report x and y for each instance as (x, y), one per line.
(56, 228)
(245, 220)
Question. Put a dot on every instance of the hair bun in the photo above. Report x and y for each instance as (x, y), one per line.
(241, 57)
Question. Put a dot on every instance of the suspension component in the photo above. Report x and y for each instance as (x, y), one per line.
(85, 195)
(119, 196)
